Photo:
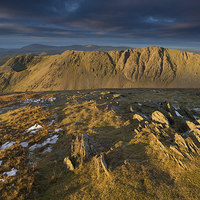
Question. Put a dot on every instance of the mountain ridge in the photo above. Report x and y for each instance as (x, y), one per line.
(149, 67)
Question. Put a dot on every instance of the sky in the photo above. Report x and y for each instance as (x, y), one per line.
(132, 23)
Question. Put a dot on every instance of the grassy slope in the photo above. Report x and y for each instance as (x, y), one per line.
(137, 166)
(147, 67)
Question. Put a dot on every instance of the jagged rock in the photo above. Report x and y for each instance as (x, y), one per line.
(67, 162)
(183, 127)
(179, 140)
(191, 125)
(168, 107)
(80, 149)
(159, 117)
(196, 133)
(176, 150)
(161, 146)
(138, 117)
(184, 111)
(168, 115)
(117, 110)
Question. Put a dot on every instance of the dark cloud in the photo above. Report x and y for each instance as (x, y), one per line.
(133, 19)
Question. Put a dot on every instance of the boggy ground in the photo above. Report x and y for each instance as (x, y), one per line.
(150, 140)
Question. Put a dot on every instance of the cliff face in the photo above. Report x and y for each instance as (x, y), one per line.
(147, 67)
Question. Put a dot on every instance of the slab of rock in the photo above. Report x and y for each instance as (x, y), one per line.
(159, 117)
(104, 165)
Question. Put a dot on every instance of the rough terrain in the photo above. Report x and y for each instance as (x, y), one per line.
(100, 144)
(150, 67)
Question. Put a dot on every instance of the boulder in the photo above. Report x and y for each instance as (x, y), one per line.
(159, 117)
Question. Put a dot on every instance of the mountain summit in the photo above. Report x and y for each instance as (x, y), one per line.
(149, 67)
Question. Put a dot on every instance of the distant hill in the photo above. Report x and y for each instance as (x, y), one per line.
(38, 49)
(150, 67)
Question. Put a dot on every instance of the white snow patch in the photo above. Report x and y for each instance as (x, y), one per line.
(38, 100)
(51, 123)
(6, 145)
(139, 104)
(51, 140)
(1, 179)
(196, 109)
(34, 128)
(24, 144)
(11, 173)
(58, 129)
(1, 162)
(177, 114)
(48, 149)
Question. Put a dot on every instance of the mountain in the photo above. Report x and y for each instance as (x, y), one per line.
(49, 50)
(150, 67)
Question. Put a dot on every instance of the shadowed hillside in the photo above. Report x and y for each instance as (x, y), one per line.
(72, 70)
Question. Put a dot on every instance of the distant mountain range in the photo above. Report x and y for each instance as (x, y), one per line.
(51, 50)
(150, 67)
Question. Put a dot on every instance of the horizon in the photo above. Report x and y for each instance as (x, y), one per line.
(136, 24)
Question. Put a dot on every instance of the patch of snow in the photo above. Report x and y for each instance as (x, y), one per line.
(51, 140)
(177, 114)
(1, 179)
(6, 145)
(58, 129)
(1, 162)
(24, 144)
(34, 128)
(196, 109)
(51, 123)
(11, 173)
(139, 104)
(38, 100)
(48, 149)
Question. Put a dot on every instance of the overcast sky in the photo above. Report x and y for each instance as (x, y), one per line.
(133, 23)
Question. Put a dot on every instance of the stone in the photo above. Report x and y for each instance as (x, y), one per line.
(138, 117)
(159, 117)
(183, 110)
(183, 127)
(168, 107)
(80, 149)
(168, 115)
(68, 164)
(117, 110)
(104, 165)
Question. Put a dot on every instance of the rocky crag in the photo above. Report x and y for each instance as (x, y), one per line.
(150, 67)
